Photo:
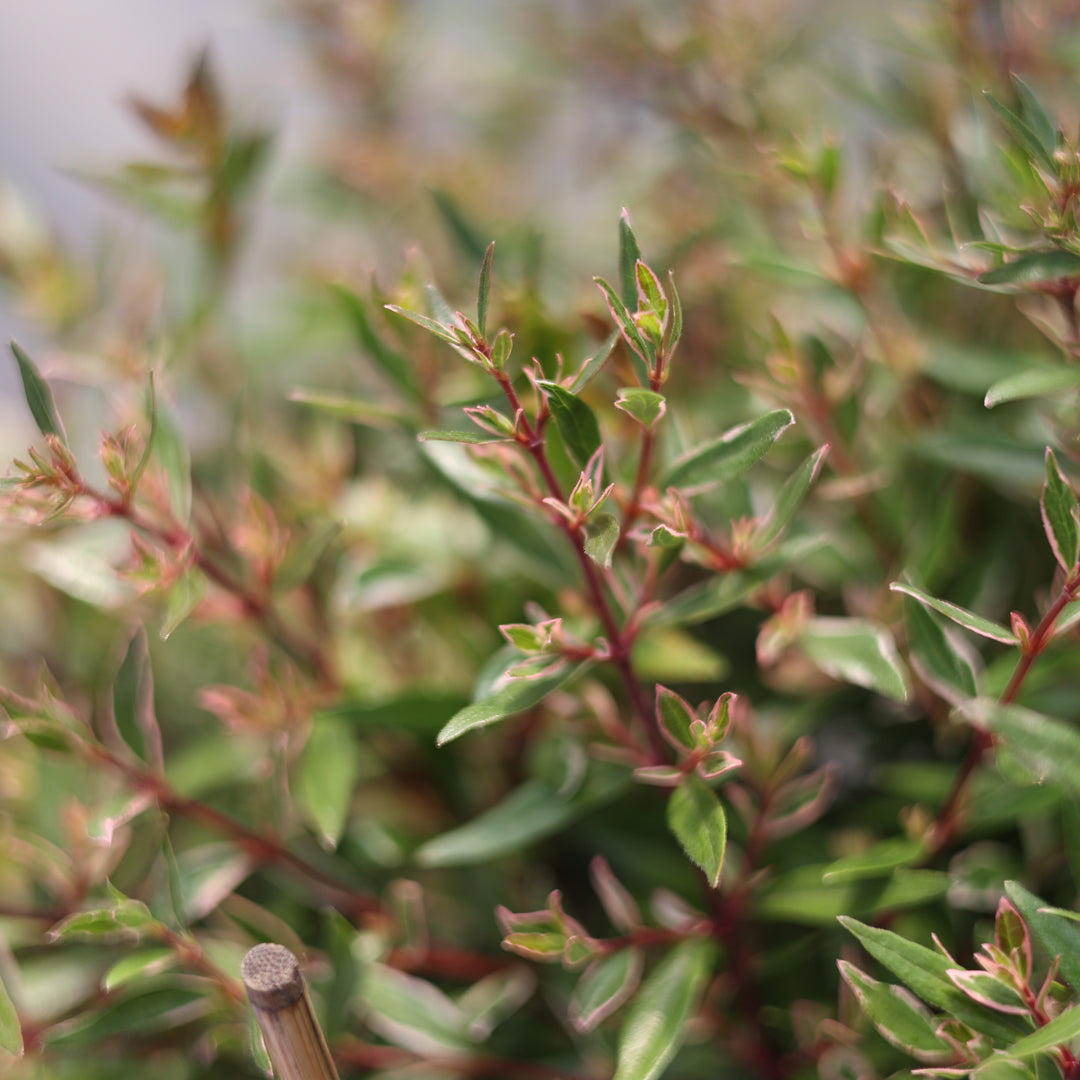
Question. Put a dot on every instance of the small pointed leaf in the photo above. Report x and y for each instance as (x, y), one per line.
(39, 396)
(696, 818)
(1059, 515)
(605, 985)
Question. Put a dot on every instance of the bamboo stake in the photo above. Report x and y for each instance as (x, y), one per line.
(294, 1040)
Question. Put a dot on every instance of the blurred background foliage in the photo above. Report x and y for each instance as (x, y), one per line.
(815, 172)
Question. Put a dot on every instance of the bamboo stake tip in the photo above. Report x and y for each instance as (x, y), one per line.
(272, 976)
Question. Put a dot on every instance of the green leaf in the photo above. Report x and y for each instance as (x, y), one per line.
(880, 860)
(1058, 1032)
(606, 984)
(474, 437)
(144, 962)
(1034, 268)
(575, 420)
(1036, 117)
(426, 322)
(38, 396)
(1059, 515)
(856, 651)
(601, 537)
(939, 662)
(326, 777)
(650, 291)
(905, 1022)
(1058, 936)
(594, 363)
(1029, 139)
(789, 498)
(351, 410)
(411, 1012)
(723, 592)
(696, 818)
(1048, 749)
(967, 619)
(802, 896)
(645, 406)
(924, 971)
(396, 368)
(528, 814)
(184, 597)
(629, 256)
(640, 352)
(729, 456)
(171, 452)
(653, 1029)
(515, 696)
(675, 333)
(1033, 382)
(484, 289)
(11, 1038)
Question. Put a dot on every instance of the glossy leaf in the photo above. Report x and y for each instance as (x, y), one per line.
(729, 456)
(606, 984)
(925, 971)
(1034, 268)
(961, 616)
(903, 1020)
(39, 396)
(696, 818)
(653, 1028)
(1032, 382)
(575, 420)
(515, 696)
(326, 776)
(1060, 517)
(856, 651)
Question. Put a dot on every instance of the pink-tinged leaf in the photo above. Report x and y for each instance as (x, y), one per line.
(1060, 518)
(967, 619)
(606, 984)
(898, 1015)
(716, 763)
(672, 911)
(660, 775)
(545, 947)
(619, 906)
(1012, 937)
(675, 717)
(987, 990)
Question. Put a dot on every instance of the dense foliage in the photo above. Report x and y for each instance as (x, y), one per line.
(671, 671)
